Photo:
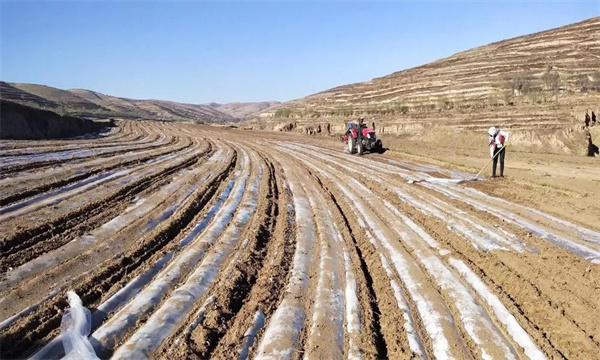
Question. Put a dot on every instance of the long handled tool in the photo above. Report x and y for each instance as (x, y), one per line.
(455, 181)
(486, 165)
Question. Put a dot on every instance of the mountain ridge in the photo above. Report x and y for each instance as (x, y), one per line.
(537, 86)
(93, 104)
(589, 38)
(244, 109)
(555, 66)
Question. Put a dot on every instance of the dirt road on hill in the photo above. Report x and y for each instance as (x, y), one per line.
(188, 241)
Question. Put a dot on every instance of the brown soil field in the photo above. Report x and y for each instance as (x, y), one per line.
(191, 241)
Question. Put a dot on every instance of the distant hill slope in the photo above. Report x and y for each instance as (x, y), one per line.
(572, 51)
(87, 103)
(243, 110)
(155, 109)
(12, 93)
(113, 103)
(527, 69)
(58, 96)
(543, 81)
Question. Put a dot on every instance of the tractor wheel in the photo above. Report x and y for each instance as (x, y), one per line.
(351, 144)
(379, 146)
(360, 148)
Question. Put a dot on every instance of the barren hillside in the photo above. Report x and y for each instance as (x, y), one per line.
(155, 108)
(543, 81)
(110, 102)
(9, 92)
(242, 110)
(89, 103)
(58, 96)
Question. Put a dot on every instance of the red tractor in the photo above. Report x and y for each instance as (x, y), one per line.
(364, 140)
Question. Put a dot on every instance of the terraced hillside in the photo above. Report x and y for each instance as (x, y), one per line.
(93, 104)
(152, 109)
(12, 93)
(242, 110)
(543, 81)
(58, 96)
(197, 242)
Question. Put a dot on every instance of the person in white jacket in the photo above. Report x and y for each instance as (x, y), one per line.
(498, 141)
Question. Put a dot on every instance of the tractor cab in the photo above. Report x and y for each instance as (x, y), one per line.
(360, 138)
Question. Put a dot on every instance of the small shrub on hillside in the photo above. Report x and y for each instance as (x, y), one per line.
(520, 83)
(459, 101)
(537, 97)
(283, 112)
(419, 107)
(424, 107)
(596, 81)
(584, 84)
(508, 98)
(403, 109)
(552, 80)
(346, 111)
(445, 103)
(492, 100)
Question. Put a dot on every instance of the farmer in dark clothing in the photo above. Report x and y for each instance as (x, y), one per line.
(592, 149)
(498, 141)
(593, 118)
(587, 119)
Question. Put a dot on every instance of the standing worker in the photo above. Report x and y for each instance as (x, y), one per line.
(593, 118)
(587, 119)
(498, 141)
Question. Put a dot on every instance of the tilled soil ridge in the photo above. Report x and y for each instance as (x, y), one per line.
(194, 242)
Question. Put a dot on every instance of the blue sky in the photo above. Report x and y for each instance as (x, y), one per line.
(201, 51)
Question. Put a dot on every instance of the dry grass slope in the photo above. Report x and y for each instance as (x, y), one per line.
(243, 110)
(479, 74)
(11, 93)
(87, 103)
(62, 97)
(540, 83)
